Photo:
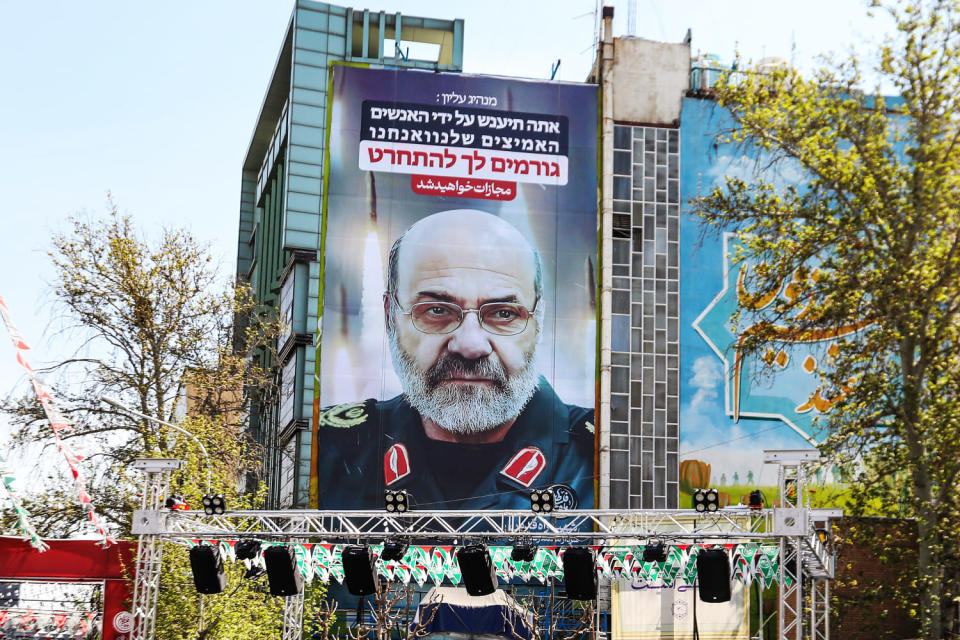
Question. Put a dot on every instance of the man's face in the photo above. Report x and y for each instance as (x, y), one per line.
(469, 380)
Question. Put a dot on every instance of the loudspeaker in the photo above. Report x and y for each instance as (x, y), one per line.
(208, 575)
(713, 573)
(580, 573)
(478, 571)
(282, 573)
(358, 571)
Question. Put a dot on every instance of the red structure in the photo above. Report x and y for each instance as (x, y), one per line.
(70, 563)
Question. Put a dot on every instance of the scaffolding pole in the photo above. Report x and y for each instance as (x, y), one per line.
(150, 546)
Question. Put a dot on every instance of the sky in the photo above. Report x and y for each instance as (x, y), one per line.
(156, 103)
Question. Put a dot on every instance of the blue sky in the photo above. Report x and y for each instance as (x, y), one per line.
(156, 102)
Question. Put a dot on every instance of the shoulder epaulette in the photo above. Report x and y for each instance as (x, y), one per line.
(344, 416)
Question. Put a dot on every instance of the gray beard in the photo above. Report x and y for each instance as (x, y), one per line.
(464, 409)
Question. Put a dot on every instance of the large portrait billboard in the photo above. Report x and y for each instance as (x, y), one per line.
(457, 331)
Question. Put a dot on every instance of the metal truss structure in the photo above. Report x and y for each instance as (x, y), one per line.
(803, 533)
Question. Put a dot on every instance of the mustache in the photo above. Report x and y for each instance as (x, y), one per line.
(454, 366)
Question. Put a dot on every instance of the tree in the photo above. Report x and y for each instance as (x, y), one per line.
(160, 331)
(869, 244)
(155, 326)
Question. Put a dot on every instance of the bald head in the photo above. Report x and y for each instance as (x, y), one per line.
(469, 240)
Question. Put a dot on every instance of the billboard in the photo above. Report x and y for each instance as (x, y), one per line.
(734, 406)
(457, 321)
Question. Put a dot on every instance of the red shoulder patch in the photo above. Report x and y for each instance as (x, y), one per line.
(525, 466)
(396, 464)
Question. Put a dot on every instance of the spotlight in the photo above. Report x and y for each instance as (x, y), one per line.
(176, 503)
(247, 549)
(706, 500)
(478, 571)
(358, 571)
(207, 567)
(700, 500)
(396, 501)
(655, 552)
(523, 552)
(579, 573)
(282, 572)
(253, 572)
(393, 550)
(713, 500)
(542, 500)
(756, 499)
(214, 504)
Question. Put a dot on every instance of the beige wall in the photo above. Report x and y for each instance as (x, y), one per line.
(649, 80)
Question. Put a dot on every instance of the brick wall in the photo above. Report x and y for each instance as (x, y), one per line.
(876, 563)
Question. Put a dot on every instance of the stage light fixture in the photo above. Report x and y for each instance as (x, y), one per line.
(542, 500)
(478, 571)
(705, 500)
(247, 549)
(396, 501)
(700, 500)
(176, 503)
(756, 499)
(580, 573)
(254, 572)
(358, 570)
(393, 550)
(523, 552)
(207, 568)
(282, 572)
(713, 500)
(214, 504)
(655, 551)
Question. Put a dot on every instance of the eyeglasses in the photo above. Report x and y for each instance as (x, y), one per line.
(498, 318)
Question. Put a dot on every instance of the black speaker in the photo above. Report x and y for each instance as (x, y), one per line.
(358, 571)
(580, 573)
(208, 575)
(478, 571)
(282, 572)
(713, 574)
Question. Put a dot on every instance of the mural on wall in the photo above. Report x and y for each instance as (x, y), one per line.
(732, 406)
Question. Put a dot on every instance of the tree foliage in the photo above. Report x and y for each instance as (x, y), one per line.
(160, 331)
(869, 245)
(155, 328)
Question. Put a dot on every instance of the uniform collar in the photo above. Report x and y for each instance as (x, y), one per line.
(543, 424)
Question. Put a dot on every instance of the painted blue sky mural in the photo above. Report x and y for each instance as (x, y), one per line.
(732, 409)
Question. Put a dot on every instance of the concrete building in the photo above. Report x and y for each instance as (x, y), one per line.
(682, 413)
(281, 195)
(670, 414)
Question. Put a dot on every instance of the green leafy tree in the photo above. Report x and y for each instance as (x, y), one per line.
(870, 244)
(160, 331)
(155, 327)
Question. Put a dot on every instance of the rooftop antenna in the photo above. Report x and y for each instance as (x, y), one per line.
(631, 18)
(554, 68)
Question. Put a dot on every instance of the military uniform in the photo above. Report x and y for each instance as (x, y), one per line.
(366, 447)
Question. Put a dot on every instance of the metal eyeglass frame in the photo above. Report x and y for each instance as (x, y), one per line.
(463, 316)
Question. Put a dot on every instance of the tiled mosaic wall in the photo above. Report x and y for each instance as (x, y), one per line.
(645, 380)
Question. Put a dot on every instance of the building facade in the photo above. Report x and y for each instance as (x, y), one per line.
(280, 207)
(672, 416)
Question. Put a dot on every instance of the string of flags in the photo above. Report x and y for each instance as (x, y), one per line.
(24, 523)
(749, 562)
(23, 622)
(58, 423)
